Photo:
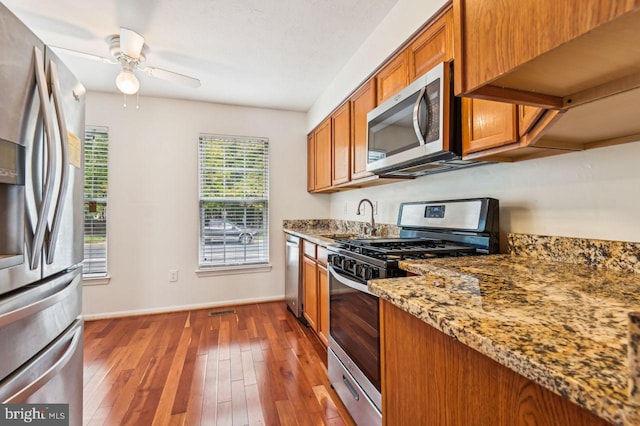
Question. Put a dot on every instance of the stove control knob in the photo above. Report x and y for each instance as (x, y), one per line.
(375, 273)
(366, 272)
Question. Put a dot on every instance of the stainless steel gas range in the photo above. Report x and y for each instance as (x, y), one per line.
(428, 229)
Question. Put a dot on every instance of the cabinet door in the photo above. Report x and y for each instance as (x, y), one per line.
(341, 144)
(487, 124)
(433, 46)
(527, 117)
(393, 77)
(323, 305)
(310, 288)
(363, 101)
(322, 156)
(311, 160)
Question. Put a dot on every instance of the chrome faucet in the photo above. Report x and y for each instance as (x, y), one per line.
(369, 227)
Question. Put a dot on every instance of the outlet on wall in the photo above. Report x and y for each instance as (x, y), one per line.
(375, 208)
(173, 275)
(346, 207)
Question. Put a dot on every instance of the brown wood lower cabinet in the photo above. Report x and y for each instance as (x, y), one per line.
(315, 283)
(429, 378)
(323, 304)
(310, 284)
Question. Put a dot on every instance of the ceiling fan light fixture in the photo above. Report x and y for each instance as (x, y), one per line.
(127, 82)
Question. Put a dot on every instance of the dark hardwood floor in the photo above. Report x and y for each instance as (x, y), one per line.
(256, 366)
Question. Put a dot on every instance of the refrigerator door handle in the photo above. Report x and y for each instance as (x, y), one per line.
(49, 182)
(45, 377)
(42, 303)
(52, 72)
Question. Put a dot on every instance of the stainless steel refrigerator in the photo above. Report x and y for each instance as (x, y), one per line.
(41, 223)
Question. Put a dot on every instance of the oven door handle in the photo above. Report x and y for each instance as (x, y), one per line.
(349, 283)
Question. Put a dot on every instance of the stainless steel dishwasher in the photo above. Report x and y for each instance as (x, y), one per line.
(292, 277)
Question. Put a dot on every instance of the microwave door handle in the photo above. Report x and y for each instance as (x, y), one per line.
(64, 149)
(49, 178)
(416, 120)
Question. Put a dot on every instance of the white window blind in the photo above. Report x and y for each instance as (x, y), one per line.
(234, 200)
(96, 149)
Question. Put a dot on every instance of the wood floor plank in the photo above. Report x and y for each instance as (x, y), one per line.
(224, 380)
(169, 390)
(239, 403)
(324, 398)
(286, 413)
(254, 407)
(225, 414)
(248, 372)
(257, 366)
(196, 393)
(210, 400)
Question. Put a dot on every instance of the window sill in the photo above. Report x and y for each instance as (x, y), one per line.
(96, 280)
(231, 270)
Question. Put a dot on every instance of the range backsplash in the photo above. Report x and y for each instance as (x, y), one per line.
(616, 255)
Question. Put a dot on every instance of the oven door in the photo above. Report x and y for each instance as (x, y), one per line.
(354, 333)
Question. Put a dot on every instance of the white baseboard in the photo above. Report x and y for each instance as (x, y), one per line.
(150, 311)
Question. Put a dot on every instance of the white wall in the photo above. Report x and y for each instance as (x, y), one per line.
(589, 194)
(153, 200)
(593, 194)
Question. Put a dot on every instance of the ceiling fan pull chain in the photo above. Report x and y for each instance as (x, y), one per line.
(137, 100)
(124, 105)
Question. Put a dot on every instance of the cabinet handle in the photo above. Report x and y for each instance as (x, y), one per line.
(416, 120)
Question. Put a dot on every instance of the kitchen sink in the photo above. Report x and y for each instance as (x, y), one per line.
(339, 236)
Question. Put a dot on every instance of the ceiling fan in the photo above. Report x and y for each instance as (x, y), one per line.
(128, 49)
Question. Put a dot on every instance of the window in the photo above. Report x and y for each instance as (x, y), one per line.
(234, 200)
(96, 147)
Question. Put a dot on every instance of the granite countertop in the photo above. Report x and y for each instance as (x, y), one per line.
(562, 325)
(317, 236)
(325, 231)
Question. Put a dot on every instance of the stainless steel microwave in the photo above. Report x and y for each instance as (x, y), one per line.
(417, 131)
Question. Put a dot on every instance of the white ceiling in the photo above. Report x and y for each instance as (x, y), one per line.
(264, 53)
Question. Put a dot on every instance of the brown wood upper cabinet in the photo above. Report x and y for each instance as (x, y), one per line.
(432, 46)
(430, 376)
(341, 144)
(322, 155)
(547, 51)
(363, 101)
(311, 162)
(500, 131)
(338, 146)
(393, 77)
(487, 124)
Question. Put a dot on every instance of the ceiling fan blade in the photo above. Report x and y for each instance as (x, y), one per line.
(174, 77)
(86, 55)
(131, 43)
